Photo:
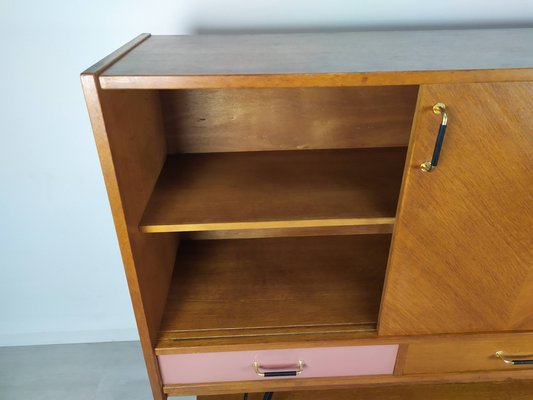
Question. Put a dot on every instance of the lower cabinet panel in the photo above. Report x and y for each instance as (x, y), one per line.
(516, 390)
(316, 362)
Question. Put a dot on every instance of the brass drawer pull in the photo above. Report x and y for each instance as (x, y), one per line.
(428, 166)
(258, 370)
(511, 361)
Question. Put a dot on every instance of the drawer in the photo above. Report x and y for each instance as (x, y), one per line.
(315, 362)
(468, 354)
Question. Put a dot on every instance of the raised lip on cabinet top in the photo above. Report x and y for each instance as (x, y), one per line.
(320, 59)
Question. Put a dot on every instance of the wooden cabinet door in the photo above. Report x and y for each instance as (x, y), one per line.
(462, 251)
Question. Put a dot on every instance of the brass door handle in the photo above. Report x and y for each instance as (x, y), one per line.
(515, 360)
(428, 166)
(258, 369)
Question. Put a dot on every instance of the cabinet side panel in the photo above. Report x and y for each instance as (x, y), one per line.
(130, 141)
(136, 140)
(461, 258)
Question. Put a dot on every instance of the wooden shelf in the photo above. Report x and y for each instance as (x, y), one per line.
(224, 289)
(285, 189)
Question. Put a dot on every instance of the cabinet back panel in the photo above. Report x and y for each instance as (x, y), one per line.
(229, 120)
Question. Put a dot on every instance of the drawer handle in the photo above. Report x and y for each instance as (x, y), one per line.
(258, 370)
(428, 166)
(509, 360)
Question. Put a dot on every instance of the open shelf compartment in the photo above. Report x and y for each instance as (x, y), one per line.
(285, 189)
(320, 160)
(226, 289)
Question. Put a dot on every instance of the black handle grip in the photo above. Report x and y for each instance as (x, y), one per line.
(522, 362)
(428, 166)
(438, 145)
(280, 373)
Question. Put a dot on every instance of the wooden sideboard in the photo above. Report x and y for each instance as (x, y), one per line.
(323, 211)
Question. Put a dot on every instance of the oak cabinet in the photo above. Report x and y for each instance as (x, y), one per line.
(277, 230)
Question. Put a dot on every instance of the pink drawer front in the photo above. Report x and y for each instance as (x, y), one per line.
(237, 365)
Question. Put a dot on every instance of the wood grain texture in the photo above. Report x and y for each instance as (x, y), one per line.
(268, 338)
(280, 338)
(214, 340)
(235, 287)
(403, 350)
(351, 58)
(203, 121)
(315, 80)
(462, 253)
(476, 354)
(135, 138)
(290, 385)
(519, 390)
(276, 190)
(129, 136)
(293, 232)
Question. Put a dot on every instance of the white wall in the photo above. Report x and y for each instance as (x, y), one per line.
(61, 277)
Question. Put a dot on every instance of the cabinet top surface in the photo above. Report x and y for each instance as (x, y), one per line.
(267, 55)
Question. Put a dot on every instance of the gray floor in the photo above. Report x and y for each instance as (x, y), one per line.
(95, 371)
